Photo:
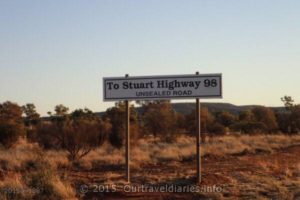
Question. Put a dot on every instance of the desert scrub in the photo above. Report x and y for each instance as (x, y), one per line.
(12, 188)
(150, 150)
(41, 176)
(12, 159)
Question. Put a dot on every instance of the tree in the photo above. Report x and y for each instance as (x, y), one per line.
(10, 112)
(159, 119)
(293, 115)
(246, 116)
(266, 116)
(283, 121)
(288, 102)
(80, 137)
(295, 119)
(77, 133)
(84, 114)
(225, 118)
(249, 127)
(247, 123)
(258, 119)
(11, 123)
(116, 116)
(217, 129)
(80, 115)
(31, 120)
(61, 110)
(31, 116)
(206, 121)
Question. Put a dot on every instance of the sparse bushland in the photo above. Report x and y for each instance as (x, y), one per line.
(153, 150)
(27, 167)
(81, 141)
(81, 131)
(149, 150)
(77, 133)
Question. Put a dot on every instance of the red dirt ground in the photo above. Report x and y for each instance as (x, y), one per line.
(231, 173)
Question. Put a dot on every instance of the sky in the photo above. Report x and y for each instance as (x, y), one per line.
(57, 51)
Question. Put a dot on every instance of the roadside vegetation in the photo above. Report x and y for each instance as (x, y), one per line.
(37, 154)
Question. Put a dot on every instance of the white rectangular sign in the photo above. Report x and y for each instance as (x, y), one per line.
(162, 87)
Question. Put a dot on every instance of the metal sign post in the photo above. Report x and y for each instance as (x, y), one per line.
(127, 147)
(198, 138)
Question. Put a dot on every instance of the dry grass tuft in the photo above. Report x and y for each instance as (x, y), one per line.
(13, 188)
(265, 186)
(57, 159)
(41, 176)
(63, 188)
(12, 159)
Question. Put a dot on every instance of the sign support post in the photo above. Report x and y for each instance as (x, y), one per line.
(127, 147)
(198, 138)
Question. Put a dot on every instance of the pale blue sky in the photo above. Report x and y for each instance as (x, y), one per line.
(54, 52)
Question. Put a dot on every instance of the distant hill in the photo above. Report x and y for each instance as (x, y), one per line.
(186, 108)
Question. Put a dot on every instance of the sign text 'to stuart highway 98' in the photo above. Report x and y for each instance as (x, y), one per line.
(162, 87)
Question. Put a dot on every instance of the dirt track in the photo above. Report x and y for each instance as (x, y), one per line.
(263, 175)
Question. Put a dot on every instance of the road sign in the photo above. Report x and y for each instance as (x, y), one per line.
(162, 87)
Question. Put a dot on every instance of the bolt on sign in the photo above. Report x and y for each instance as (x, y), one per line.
(162, 87)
